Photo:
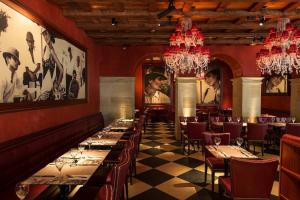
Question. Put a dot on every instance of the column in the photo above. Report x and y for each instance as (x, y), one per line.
(117, 98)
(295, 98)
(246, 97)
(185, 100)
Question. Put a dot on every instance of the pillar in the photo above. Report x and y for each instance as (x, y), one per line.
(185, 100)
(246, 99)
(117, 97)
(295, 98)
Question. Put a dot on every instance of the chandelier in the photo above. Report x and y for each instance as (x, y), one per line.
(186, 52)
(281, 52)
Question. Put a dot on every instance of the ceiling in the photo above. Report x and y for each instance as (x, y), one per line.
(221, 21)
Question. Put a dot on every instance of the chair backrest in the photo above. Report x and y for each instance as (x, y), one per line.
(255, 180)
(105, 193)
(195, 130)
(256, 131)
(293, 129)
(233, 128)
(119, 174)
(209, 138)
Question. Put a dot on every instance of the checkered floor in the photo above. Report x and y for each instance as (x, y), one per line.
(165, 172)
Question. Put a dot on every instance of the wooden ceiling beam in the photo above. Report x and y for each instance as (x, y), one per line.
(166, 42)
(164, 1)
(257, 6)
(166, 35)
(204, 13)
(291, 7)
(222, 6)
(148, 26)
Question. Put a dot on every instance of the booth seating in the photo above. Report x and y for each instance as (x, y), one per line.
(23, 156)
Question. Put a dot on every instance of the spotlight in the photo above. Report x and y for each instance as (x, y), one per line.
(262, 20)
(113, 21)
(158, 24)
(152, 30)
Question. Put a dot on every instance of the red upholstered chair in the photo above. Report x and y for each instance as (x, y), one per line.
(95, 193)
(215, 164)
(119, 177)
(194, 132)
(234, 128)
(256, 135)
(293, 129)
(250, 179)
(182, 127)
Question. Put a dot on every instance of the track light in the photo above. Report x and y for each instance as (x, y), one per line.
(113, 21)
(262, 20)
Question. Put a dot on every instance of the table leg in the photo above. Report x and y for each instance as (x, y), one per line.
(64, 189)
(226, 167)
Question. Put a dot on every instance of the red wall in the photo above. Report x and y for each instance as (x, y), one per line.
(13, 125)
(118, 62)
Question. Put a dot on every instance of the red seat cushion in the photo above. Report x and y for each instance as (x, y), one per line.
(225, 181)
(215, 163)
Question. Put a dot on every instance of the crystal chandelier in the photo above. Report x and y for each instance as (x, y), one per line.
(186, 52)
(281, 52)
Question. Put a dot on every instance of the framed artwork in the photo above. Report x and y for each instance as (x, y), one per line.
(38, 66)
(156, 85)
(276, 85)
(210, 86)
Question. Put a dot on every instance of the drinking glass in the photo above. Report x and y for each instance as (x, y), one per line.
(217, 141)
(196, 119)
(238, 119)
(59, 163)
(89, 142)
(283, 119)
(229, 119)
(293, 119)
(239, 141)
(217, 119)
(22, 190)
(185, 120)
(73, 154)
(80, 149)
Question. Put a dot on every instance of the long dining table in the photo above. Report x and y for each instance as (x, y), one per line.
(76, 166)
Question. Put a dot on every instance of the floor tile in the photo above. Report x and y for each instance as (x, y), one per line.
(205, 194)
(170, 156)
(144, 147)
(137, 187)
(153, 151)
(173, 169)
(152, 137)
(189, 162)
(142, 156)
(153, 144)
(178, 188)
(195, 177)
(153, 177)
(141, 168)
(153, 194)
(153, 161)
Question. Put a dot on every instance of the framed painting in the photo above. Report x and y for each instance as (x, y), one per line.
(276, 85)
(157, 85)
(39, 67)
(210, 86)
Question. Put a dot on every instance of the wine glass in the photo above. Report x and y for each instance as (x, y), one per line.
(196, 119)
(73, 154)
(283, 119)
(293, 119)
(59, 163)
(80, 149)
(22, 190)
(238, 119)
(89, 142)
(185, 120)
(239, 141)
(217, 119)
(217, 140)
(229, 119)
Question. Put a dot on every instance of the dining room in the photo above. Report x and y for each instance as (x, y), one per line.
(149, 99)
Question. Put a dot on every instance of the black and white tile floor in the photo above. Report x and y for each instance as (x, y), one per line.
(165, 172)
